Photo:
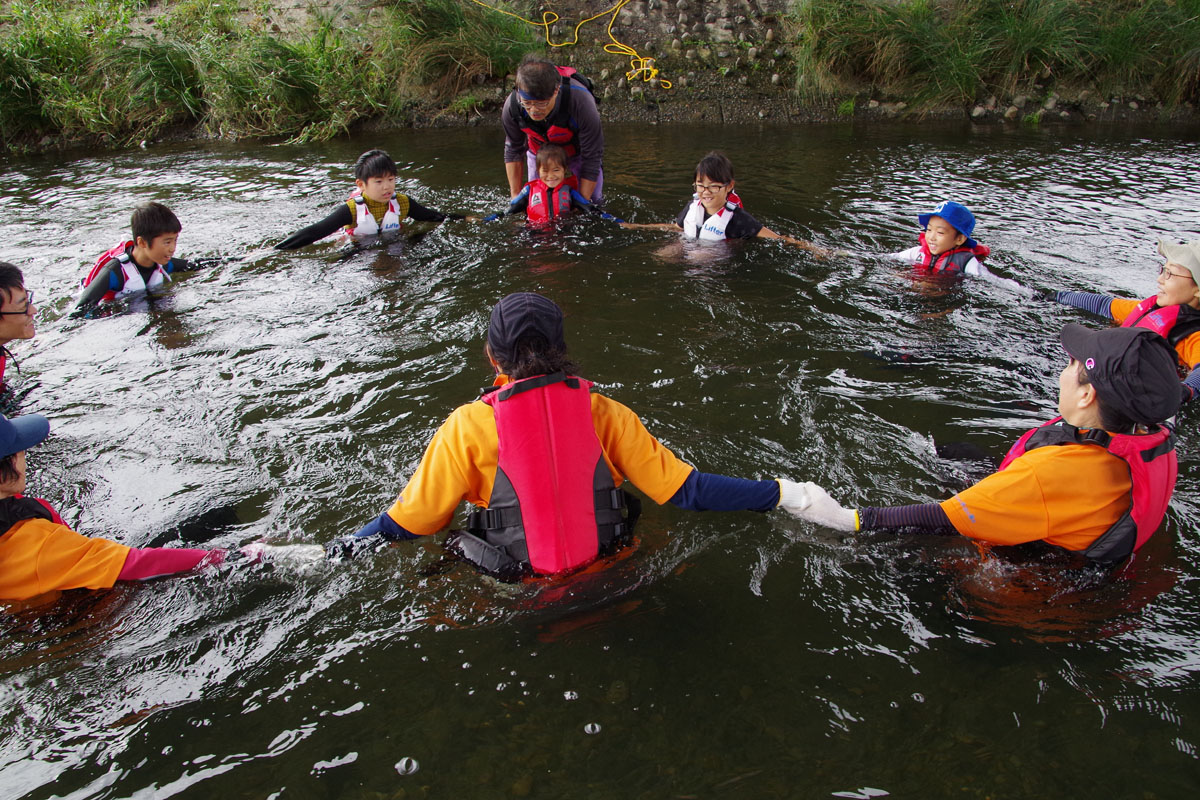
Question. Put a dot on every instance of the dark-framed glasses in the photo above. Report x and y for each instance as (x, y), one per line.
(711, 188)
(27, 308)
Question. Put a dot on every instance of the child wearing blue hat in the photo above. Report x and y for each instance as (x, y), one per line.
(40, 554)
(946, 245)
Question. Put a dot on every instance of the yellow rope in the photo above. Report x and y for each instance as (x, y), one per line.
(638, 65)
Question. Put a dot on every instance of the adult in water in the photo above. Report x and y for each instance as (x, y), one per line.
(1094, 481)
(16, 312)
(552, 105)
(542, 458)
(40, 554)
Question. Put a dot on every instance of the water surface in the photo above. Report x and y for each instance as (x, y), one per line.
(289, 396)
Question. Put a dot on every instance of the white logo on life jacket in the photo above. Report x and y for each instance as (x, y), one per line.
(535, 199)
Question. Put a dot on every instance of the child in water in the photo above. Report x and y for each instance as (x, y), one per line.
(946, 245)
(373, 207)
(40, 554)
(1173, 313)
(553, 194)
(715, 212)
(145, 262)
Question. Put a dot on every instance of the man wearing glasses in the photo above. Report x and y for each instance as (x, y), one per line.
(16, 312)
(552, 105)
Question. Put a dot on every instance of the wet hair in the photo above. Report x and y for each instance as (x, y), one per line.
(1110, 419)
(715, 166)
(551, 154)
(152, 219)
(534, 356)
(8, 468)
(537, 77)
(374, 164)
(11, 279)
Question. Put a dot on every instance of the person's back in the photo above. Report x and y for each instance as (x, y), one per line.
(543, 461)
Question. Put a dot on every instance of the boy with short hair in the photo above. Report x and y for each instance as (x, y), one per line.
(715, 212)
(1174, 312)
(16, 312)
(946, 245)
(1094, 481)
(145, 262)
(372, 208)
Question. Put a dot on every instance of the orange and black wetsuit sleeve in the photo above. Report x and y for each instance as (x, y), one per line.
(924, 517)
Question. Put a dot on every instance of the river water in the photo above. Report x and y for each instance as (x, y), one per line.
(289, 395)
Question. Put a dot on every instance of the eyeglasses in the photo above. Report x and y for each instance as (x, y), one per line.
(1161, 271)
(28, 309)
(538, 105)
(711, 188)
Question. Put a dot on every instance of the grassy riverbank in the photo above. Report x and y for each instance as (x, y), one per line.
(958, 51)
(125, 70)
(115, 72)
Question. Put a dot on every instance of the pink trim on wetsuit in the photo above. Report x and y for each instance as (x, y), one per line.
(144, 563)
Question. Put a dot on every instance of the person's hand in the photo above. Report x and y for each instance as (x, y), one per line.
(813, 504)
(470, 218)
(292, 554)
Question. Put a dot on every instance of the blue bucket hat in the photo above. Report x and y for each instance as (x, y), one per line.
(959, 217)
(22, 433)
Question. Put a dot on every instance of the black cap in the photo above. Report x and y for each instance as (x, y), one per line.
(519, 314)
(1133, 370)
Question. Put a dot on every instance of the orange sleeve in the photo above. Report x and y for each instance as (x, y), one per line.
(1122, 308)
(633, 453)
(459, 464)
(1188, 349)
(1039, 496)
(38, 556)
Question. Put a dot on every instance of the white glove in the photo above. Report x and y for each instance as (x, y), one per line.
(290, 554)
(811, 503)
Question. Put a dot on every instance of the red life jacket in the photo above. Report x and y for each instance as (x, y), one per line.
(1152, 469)
(545, 203)
(1173, 323)
(954, 260)
(554, 506)
(556, 128)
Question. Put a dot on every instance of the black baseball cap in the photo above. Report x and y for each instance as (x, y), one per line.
(1133, 370)
(22, 433)
(519, 314)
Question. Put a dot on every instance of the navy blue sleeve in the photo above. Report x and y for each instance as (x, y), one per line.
(1097, 304)
(385, 526)
(1192, 384)
(924, 517)
(520, 202)
(703, 491)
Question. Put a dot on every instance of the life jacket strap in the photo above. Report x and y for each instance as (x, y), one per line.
(485, 557)
(537, 383)
(490, 519)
